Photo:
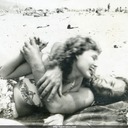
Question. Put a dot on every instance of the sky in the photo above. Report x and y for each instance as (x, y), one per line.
(74, 4)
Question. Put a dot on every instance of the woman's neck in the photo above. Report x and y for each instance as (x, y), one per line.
(75, 73)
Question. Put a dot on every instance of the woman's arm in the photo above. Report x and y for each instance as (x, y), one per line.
(23, 70)
(11, 65)
(17, 67)
(70, 102)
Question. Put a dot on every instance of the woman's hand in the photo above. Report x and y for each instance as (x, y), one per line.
(56, 119)
(31, 52)
(50, 83)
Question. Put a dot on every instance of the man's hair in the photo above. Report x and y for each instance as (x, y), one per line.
(106, 95)
(65, 55)
(102, 95)
(124, 96)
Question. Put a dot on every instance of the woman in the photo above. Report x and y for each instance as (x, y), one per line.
(76, 53)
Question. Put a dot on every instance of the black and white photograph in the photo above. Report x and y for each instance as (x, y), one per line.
(64, 63)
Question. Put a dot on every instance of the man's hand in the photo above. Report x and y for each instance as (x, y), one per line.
(50, 83)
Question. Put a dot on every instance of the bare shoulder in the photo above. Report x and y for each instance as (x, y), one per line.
(88, 94)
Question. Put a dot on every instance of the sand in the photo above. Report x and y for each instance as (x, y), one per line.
(110, 30)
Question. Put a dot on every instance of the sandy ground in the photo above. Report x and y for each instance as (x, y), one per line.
(108, 29)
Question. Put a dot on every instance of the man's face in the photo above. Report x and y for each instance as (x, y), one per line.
(117, 86)
(86, 63)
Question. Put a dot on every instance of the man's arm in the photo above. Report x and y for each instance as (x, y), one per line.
(70, 102)
(45, 81)
(50, 83)
(52, 78)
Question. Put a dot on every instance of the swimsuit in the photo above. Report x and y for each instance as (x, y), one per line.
(7, 104)
(27, 93)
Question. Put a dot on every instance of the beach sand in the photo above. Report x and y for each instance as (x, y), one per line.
(110, 30)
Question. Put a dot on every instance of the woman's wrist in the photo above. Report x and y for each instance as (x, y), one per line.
(37, 66)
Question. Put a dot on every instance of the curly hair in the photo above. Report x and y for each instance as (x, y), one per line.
(65, 54)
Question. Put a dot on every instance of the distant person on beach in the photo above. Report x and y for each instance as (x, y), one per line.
(109, 7)
(125, 10)
(117, 9)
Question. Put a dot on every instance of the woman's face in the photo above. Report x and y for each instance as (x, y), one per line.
(117, 86)
(86, 63)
